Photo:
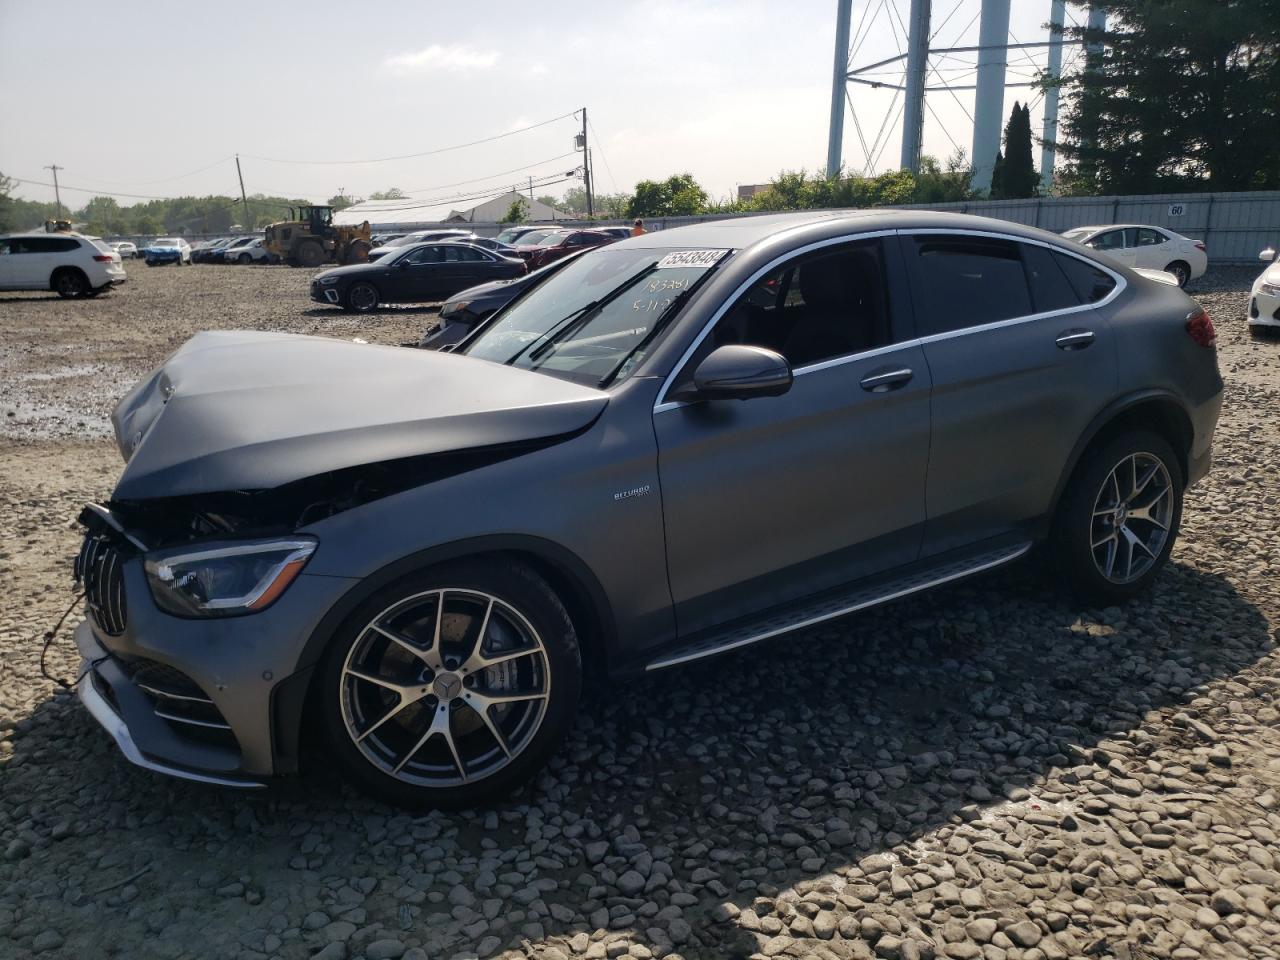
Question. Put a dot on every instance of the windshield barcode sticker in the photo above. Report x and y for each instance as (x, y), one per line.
(690, 258)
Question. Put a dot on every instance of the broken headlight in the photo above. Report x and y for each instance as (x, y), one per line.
(225, 580)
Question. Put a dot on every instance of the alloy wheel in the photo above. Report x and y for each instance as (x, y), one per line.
(445, 687)
(362, 297)
(1131, 518)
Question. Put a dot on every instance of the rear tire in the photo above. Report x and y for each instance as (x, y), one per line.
(1180, 270)
(361, 297)
(69, 283)
(243, 259)
(485, 718)
(1119, 518)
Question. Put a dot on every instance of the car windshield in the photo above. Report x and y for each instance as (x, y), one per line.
(552, 239)
(165, 242)
(593, 321)
(535, 236)
(405, 240)
(511, 236)
(1077, 234)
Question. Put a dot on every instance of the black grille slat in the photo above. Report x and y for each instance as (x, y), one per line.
(100, 570)
(178, 700)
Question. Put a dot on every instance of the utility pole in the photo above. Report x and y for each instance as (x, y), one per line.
(586, 166)
(243, 199)
(531, 194)
(56, 192)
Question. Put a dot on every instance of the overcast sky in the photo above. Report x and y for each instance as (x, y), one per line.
(155, 99)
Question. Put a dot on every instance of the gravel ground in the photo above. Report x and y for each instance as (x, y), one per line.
(988, 771)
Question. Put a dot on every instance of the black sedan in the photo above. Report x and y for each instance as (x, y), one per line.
(470, 308)
(421, 273)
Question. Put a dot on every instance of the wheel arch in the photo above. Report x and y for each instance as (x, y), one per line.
(66, 268)
(584, 599)
(1158, 410)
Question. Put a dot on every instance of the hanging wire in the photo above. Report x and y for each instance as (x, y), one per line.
(425, 153)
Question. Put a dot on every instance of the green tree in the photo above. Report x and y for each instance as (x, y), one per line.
(678, 195)
(1185, 101)
(394, 193)
(551, 201)
(1014, 176)
(103, 216)
(518, 212)
(936, 184)
(7, 208)
(340, 201)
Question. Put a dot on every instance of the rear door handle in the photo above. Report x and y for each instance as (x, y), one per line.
(1074, 339)
(886, 379)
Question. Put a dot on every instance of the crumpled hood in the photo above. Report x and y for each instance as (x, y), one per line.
(238, 410)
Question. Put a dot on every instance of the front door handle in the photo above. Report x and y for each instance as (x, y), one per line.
(1074, 339)
(886, 379)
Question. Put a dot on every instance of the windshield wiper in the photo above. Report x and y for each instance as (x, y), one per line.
(539, 346)
(544, 339)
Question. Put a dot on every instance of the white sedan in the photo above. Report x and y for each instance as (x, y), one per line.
(1152, 248)
(127, 250)
(1264, 298)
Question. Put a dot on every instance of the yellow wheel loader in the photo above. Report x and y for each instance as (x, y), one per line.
(309, 238)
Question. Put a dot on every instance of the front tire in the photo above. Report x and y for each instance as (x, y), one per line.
(362, 297)
(452, 686)
(1117, 522)
(310, 254)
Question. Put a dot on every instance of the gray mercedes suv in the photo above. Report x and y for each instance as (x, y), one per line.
(678, 445)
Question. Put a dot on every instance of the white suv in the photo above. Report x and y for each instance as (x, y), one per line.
(67, 263)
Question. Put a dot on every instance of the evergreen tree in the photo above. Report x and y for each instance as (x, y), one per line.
(1178, 99)
(1014, 177)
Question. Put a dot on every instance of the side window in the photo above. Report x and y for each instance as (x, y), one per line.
(1149, 238)
(425, 255)
(814, 308)
(1111, 240)
(960, 281)
(1050, 289)
(1090, 283)
(453, 255)
(64, 245)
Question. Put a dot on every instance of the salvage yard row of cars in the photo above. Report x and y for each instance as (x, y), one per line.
(303, 493)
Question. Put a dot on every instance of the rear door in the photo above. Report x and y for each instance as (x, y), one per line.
(1152, 250)
(1021, 363)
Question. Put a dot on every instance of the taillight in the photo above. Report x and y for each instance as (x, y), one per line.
(1200, 327)
(1200, 245)
(103, 257)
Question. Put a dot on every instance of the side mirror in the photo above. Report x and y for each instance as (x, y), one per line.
(735, 372)
(1267, 256)
(403, 265)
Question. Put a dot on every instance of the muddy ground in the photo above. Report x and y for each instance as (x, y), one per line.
(990, 771)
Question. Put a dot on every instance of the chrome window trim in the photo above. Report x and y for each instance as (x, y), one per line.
(1121, 284)
(663, 404)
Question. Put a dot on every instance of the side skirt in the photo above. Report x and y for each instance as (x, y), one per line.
(838, 604)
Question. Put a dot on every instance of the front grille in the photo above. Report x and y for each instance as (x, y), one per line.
(1253, 308)
(100, 569)
(178, 700)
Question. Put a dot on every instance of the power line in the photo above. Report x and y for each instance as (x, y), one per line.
(413, 156)
(600, 147)
(181, 176)
(131, 196)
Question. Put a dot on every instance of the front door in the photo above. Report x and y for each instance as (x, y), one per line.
(1021, 364)
(775, 498)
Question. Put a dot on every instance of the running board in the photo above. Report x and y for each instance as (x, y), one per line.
(837, 605)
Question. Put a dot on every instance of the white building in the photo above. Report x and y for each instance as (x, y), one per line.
(388, 212)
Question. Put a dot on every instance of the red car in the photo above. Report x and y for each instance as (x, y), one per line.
(562, 243)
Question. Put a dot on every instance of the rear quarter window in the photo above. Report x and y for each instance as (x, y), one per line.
(1090, 283)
